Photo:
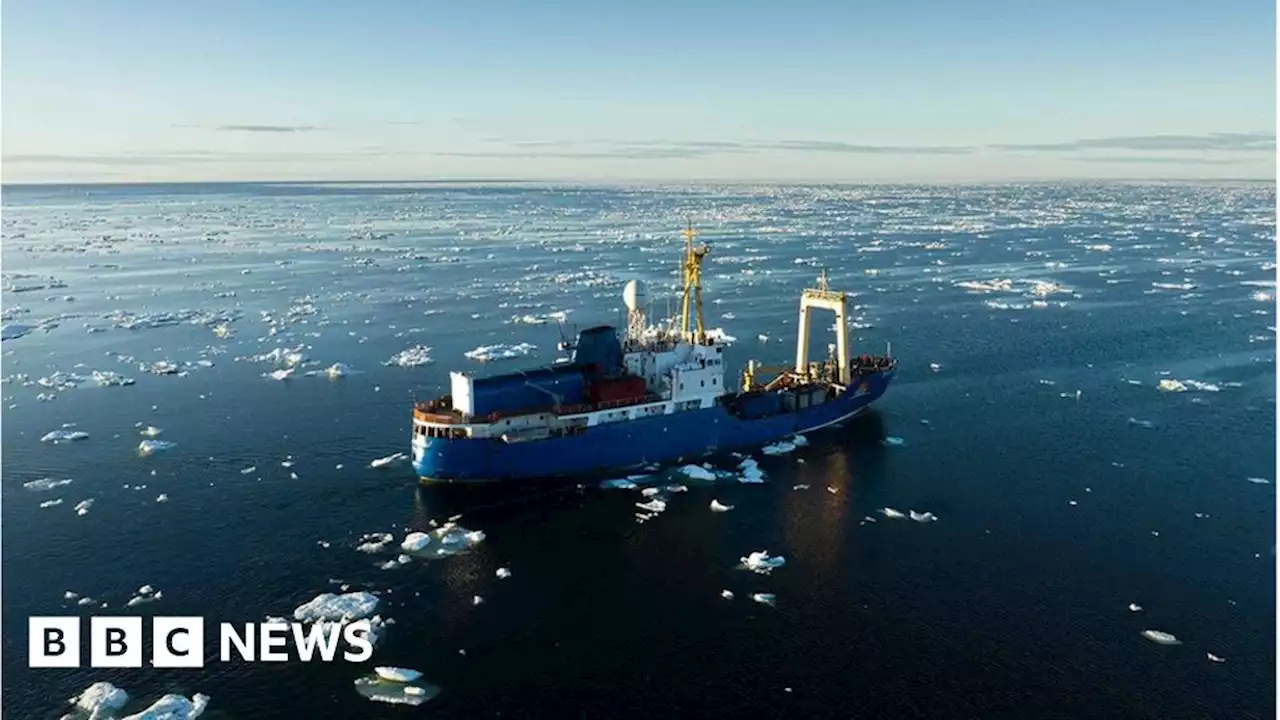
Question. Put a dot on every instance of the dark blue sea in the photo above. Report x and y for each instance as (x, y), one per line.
(1085, 401)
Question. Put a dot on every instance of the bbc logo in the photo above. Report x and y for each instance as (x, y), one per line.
(115, 642)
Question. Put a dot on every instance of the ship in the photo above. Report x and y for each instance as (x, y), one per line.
(642, 395)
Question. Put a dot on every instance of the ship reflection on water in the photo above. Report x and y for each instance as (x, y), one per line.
(817, 522)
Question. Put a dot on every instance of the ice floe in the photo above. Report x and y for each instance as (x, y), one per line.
(717, 506)
(922, 517)
(1259, 481)
(750, 471)
(46, 484)
(385, 461)
(1162, 638)
(764, 598)
(415, 541)
(697, 472)
(488, 353)
(781, 447)
(379, 689)
(1214, 658)
(13, 331)
(337, 608)
(64, 436)
(82, 507)
(101, 699)
(173, 707)
(894, 441)
(1135, 607)
(337, 370)
(760, 562)
(891, 513)
(726, 594)
(655, 505)
(51, 503)
(375, 543)
(397, 674)
(502, 573)
(415, 356)
(618, 484)
(151, 447)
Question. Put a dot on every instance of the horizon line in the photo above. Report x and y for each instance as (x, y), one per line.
(651, 182)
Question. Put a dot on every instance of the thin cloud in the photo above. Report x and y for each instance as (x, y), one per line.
(268, 128)
(685, 149)
(844, 147)
(191, 157)
(1222, 142)
(1159, 160)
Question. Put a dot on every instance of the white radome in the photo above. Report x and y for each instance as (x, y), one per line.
(634, 295)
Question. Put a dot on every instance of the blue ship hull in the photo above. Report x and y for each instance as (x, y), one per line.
(618, 446)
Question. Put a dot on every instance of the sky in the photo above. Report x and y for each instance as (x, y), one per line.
(652, 90)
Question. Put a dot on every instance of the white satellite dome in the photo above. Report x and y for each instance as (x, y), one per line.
(634, 295)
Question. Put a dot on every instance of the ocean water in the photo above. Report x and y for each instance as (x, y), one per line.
(1033, 326)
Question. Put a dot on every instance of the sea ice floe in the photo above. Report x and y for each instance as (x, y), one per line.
(142, 598)
(45, 484)
(488, 353)
(384, 461)
(894, 441)
(337, 608)
(781, 447)
(750, 471)
(1163, 638)
(150, 447)
(655, 505)
(891, 513)
(717, 506)
(397, 674)
(415, 356)
(618, 484)
(697, 472)
(1214, 658)
(502, 573)
(82, 507)
(51, 503)
(150, 431)
(760, 562)
(281, 374)
(922, 517)
(1135, 607)
(1259, 481)
(415, 541)
(173, 707)
(379, 689)
(374, 543)
(106, 378)
(764, 598)
(63, 436)
(13, 331)
(337, 370)
(101, 699)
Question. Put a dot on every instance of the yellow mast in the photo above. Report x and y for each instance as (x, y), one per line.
(692, 283)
